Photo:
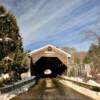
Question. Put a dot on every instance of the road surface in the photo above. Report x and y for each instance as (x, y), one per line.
(50, 89)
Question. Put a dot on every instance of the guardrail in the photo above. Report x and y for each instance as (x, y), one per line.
(85, 85)
(17, 85)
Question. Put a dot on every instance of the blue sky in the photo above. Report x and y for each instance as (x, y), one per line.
(71, 23)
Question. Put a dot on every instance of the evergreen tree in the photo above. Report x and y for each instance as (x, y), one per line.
(93, 55)
(10, 39)
(10, 45)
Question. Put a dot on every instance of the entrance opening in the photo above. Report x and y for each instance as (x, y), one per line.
(48, 67)
(47, 72)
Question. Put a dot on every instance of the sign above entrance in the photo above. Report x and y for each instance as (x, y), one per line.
(49, 53)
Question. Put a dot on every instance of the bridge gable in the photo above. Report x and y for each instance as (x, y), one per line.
(49, 51)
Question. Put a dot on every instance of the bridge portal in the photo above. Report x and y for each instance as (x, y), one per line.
(48, 61)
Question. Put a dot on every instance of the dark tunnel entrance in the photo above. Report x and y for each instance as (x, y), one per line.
(48, 67)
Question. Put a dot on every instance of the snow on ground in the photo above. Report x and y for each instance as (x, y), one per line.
(78, 79)
(91, 82)
(8, 96)
(84, 91)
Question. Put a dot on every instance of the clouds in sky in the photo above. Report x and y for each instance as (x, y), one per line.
(71, 23)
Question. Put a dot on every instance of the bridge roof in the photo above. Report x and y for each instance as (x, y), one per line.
(53, 47)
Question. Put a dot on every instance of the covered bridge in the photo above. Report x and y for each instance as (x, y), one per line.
(48, 61)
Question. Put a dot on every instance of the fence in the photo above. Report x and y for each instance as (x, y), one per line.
(17, 85)
(85, 85)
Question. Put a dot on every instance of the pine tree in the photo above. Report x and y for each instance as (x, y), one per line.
(93, 55)
(10, 45)
(10, 39)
